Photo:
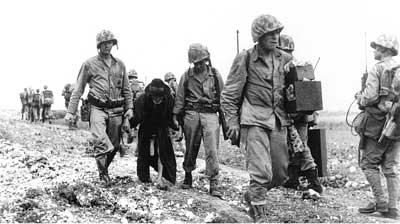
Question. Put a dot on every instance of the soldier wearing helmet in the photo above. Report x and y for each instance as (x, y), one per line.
(47, 101)
(301, 161)
(176, 136)
(110, 99)
(196, 106)
(24, 101)
(376, 100)
(252, 101)
(137, 86)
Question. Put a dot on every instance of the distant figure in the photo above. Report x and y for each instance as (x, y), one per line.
(376, 101)
(24, 101)
(47, 99)
(36, 104)
(153, 111)
(176, 136)
(30, 101)
(110, 100)
(67, 92)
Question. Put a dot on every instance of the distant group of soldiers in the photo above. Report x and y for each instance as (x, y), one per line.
(36, 105)
(249, 106)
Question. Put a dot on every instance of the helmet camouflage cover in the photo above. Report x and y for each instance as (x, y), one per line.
(132, 74)
(104, 36)
(387, 41)
(197, 52)
(264, 24)
(286, 43)
(169, 76)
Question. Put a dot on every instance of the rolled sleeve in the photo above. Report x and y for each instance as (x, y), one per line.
(370, 95)
(232, 91)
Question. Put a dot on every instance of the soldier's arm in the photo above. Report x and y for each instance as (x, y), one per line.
(370, 95)
(232, 92)
(126, 92)
(80, 85)
(180, 96)
(220, 80)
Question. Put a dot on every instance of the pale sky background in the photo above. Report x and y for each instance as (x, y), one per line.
(46, 41)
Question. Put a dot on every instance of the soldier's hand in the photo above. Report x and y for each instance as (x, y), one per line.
(128, 114)
(69, 117)
(126, 126)
(233, 132)
(175, 120)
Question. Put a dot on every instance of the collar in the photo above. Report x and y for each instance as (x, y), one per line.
(255, 53)
(191, 71)
(113, 60)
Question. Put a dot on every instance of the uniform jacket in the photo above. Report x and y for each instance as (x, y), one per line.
(105, 82)
(254, 90)
(197, 90)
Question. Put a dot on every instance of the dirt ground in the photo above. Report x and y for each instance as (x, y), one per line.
(48, 175)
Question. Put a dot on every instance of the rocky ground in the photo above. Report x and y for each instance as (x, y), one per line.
(48, 175)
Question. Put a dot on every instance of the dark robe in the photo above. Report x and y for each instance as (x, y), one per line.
(154, 120)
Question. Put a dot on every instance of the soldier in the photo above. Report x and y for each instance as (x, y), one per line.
(67, 92)
(30, 101)
(300, 162)
(137, 86)
(170, 80)
(24, 101)
(153, 111)
(379, 155)
(253, 102)
(176, 136)
(47, 101)
(197, 102)
(110, 99)
(36, 104)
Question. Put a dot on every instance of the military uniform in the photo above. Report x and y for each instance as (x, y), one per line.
(376, 155)
(24, 101)
(109, 96)
(47, 101)
(196, 100)
(253, 98)
(301, 161)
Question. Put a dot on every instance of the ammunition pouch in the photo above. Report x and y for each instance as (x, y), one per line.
(370, 124)
(106, 104)
(85, 110)
(202, 107)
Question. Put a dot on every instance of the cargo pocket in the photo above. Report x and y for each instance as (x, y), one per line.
(373, 126)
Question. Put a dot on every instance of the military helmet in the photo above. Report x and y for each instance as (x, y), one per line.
(264, 24)
(387, 41)
(169, 76)
(104, 36)
(45, 87)
(197, 52)
(132, 74)
(286, 43)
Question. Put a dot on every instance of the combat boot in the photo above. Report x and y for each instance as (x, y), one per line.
(187, 182)
(103, 172)
(260, 213)
(392, 213)
(293, 173)
(312, 178)
(246, 197)
(214, 189)
(374, 207)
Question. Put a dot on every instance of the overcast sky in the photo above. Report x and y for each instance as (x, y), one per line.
(46, 41)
